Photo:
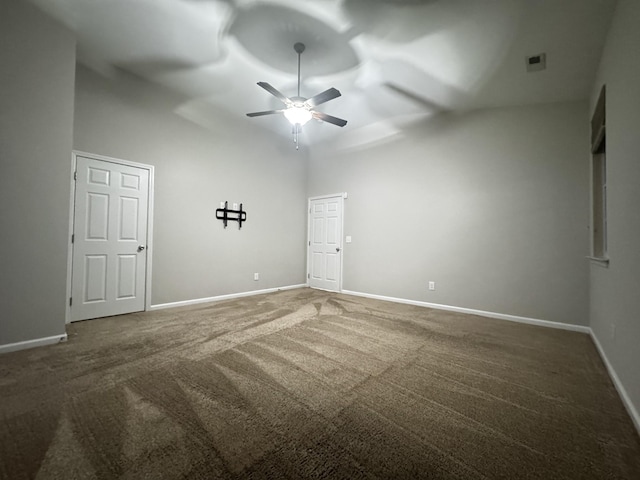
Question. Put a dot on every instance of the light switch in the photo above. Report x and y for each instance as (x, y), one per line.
(348, 239)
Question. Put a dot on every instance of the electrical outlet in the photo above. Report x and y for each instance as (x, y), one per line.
(432, 285)
(256, 276)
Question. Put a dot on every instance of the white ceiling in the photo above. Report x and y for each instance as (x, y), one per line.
(395, 61)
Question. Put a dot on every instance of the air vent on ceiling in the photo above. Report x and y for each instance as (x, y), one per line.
(535, 63)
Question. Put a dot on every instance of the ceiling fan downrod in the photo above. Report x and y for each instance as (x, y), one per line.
(299, 48)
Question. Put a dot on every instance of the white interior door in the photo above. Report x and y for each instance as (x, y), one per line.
(109, 240)
(325, 243)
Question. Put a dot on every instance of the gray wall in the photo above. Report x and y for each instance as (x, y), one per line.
(37, 59)
(196, 169)
(615, 291)
(491, 205)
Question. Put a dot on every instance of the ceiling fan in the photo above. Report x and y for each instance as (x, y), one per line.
(299, 110)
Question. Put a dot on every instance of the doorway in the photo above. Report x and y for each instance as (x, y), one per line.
(111, 237)
(324, 258)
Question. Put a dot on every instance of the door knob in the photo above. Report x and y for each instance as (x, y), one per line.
(337, 249)
(141, 248)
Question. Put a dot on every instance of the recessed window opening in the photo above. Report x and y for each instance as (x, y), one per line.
(599, 180)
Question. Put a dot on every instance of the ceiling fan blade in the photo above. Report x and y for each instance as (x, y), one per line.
(328, 118)
(275, 93)
(268, 112)
(323, 97)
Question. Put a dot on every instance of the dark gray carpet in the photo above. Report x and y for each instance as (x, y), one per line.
(308, 384)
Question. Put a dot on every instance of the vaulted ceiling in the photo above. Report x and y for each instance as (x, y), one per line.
(395, 61)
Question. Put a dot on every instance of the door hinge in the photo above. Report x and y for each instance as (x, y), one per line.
(73, 237)
(308, 276)
(75, 175)
(309, 242)
(70, 301)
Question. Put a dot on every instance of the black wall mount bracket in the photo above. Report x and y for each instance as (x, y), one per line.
(227, 214)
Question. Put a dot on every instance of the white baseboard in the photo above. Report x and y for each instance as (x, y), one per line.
(500, 316)
(631, 409)
(196, 301)
(37, 342)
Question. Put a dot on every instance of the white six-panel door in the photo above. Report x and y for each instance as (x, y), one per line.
(110, 239)
(325, 243)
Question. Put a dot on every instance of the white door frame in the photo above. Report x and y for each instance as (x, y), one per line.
(342, 197)
(149, 243)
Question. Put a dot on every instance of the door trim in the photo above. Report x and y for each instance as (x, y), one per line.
(74, 161)
(342, 196)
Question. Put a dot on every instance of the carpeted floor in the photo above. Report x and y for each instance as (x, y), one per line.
(309, 384)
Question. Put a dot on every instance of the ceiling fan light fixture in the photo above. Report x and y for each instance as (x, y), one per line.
(297, 115)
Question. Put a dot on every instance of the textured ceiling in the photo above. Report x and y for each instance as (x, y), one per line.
(395, 61)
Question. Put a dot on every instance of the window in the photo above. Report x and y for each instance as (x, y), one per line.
(599, 181)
